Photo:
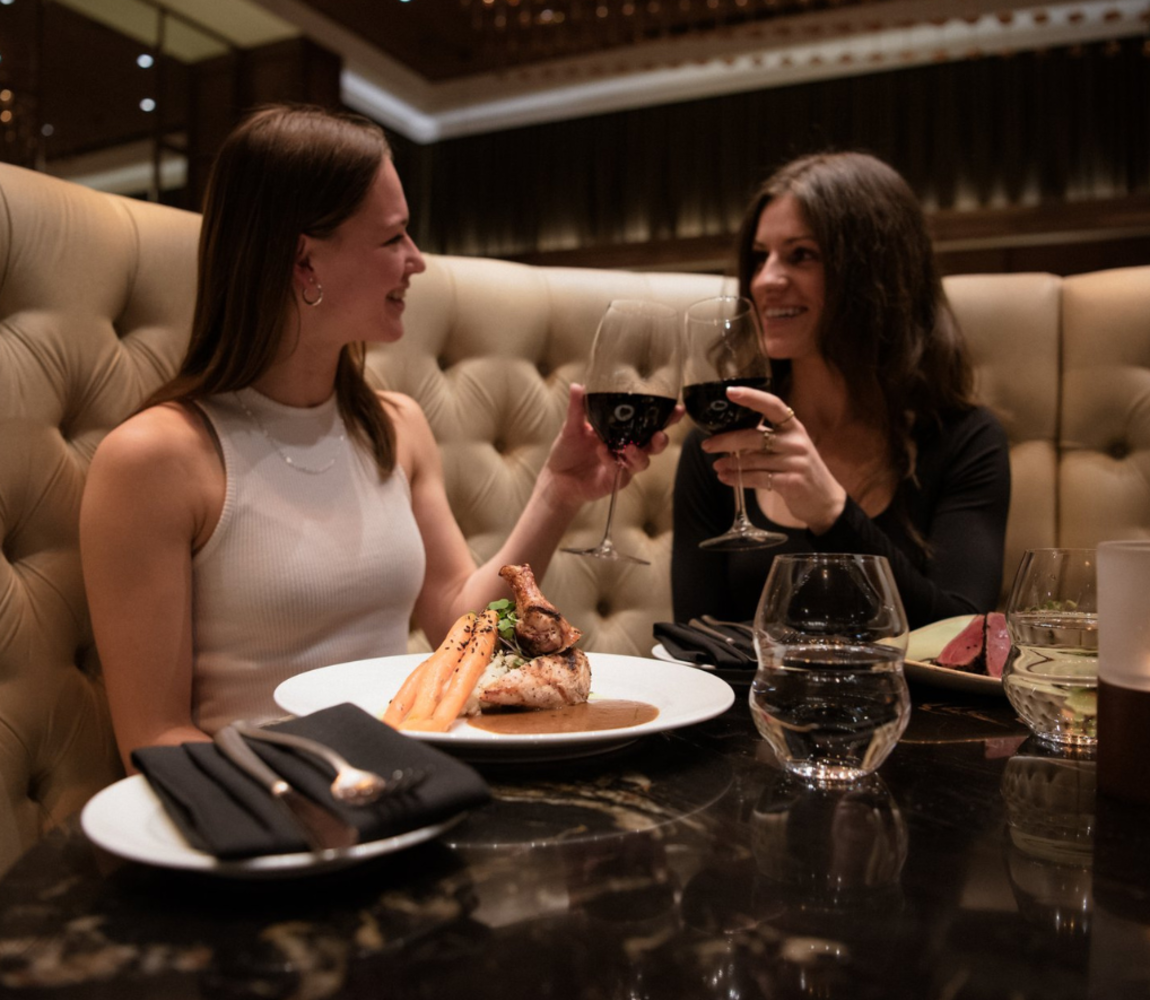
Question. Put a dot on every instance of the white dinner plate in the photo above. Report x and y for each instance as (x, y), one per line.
(683, 695)
(128, 820)
(927, 642)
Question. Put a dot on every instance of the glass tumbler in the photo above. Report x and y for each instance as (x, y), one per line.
(829, 695)
(1051, 677)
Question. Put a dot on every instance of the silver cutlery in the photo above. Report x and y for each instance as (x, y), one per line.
(322, 829)
(352, 785)
(741, 626)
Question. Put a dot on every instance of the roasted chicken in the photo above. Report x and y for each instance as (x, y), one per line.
(541, 629)
(550, 681)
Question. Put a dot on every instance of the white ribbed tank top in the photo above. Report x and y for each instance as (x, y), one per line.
(302, 570)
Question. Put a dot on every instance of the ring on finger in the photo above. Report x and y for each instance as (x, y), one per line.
(768, 444)
(790, 416)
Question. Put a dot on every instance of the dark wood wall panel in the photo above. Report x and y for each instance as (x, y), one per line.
(1038, 129)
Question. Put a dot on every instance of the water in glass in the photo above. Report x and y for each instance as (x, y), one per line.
(832, 714)
(1052, 679)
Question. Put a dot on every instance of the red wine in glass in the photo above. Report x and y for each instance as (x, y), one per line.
(623, 418)
(708, 405)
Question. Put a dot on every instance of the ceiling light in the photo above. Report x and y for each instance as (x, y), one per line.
(144, 60)
(147, 104)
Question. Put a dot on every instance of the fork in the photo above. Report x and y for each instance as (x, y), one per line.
(352, 785)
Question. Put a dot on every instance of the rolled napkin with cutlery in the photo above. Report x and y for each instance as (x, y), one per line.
(715, 644)
(223, 810)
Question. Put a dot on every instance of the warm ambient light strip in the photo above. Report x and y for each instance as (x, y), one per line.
(750, 60)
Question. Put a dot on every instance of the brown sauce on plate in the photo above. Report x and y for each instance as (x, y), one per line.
(593, 716)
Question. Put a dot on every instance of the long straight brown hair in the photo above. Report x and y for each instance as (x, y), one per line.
(886, 323)
(285, 171)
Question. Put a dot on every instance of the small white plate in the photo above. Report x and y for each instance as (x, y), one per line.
(659, 651)
(128, 820)
(683, 695)
(732, 675)
(927, 642)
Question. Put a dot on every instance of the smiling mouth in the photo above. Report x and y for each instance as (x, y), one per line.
(782, 313)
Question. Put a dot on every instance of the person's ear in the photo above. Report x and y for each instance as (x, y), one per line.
(302, 268)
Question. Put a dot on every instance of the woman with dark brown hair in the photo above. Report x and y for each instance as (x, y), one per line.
(267, 512)
(873, 442)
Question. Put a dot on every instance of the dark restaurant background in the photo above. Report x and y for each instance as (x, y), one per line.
(1024, 160)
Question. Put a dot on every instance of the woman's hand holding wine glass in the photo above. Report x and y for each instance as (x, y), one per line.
(632, 387)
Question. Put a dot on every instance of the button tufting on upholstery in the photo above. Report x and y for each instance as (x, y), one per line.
(603, 608)
(499, 445)
(543, 368)
(1119, 450)
(443, 363)
(651, 529)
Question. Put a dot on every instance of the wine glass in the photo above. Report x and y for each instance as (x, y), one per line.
(723, 349)
(830, 696)
(1051, 677)
(632, 385)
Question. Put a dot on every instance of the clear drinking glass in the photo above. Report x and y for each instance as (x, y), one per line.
(1051, 677)
(632, 386)
(723, 349)
(830, 696)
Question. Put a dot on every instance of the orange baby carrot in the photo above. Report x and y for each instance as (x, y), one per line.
(467, 673)
(400, 705)
(419, 693)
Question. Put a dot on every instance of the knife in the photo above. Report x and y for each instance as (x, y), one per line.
(321, 827)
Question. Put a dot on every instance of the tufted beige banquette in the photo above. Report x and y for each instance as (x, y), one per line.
(95, 300)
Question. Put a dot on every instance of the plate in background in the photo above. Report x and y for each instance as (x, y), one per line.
(927, 642)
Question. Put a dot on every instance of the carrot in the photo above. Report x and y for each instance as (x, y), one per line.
(466, 675)
(420, 691)
(400, 705)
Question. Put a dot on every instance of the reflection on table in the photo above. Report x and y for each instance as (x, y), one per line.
(977, 863)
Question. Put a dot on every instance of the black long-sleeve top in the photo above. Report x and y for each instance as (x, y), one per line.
(958, 504)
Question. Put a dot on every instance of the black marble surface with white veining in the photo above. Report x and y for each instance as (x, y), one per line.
(977, 863)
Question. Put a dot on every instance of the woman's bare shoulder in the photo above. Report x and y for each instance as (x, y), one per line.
(406, 413)
(400, 405)
(157, 442)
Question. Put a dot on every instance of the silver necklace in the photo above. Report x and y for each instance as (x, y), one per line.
(291, 462)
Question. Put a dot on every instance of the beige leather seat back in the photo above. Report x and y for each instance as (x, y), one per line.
(1104, 476)
(96, 296)
(1011, 322)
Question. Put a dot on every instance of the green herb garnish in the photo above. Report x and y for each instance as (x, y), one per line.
(508, 619)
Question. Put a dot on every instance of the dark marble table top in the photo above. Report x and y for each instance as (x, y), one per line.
(976, 864)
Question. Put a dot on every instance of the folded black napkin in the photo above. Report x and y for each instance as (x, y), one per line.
(219, 809)
(685, 642)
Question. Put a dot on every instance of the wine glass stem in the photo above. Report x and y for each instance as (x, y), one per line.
(741, 519)
(606, 542)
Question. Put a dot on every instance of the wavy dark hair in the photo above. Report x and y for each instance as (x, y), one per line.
(886, 325)
(285, 171)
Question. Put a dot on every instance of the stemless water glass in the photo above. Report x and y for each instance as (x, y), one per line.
(723, 349)
(830, 696)
(1051, 677)
(632, 386)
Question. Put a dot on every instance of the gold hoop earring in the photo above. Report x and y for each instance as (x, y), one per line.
(317, 300)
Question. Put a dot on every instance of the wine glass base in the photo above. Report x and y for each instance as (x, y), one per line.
(739, 541)
(608, 552)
